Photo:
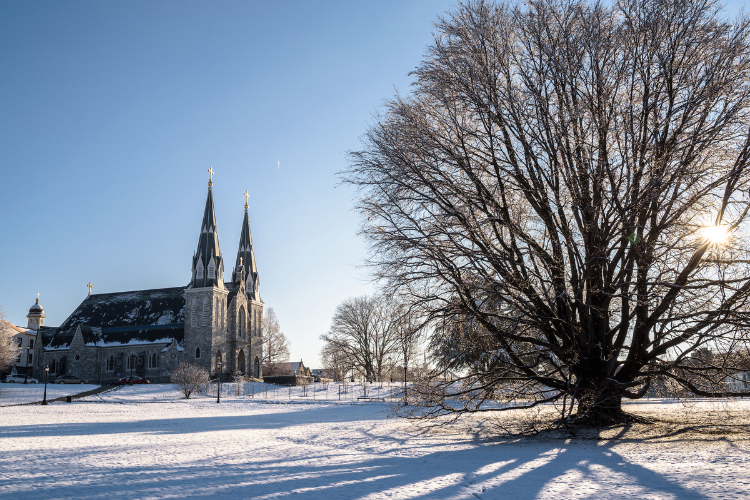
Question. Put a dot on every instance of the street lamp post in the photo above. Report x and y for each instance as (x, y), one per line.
(26, 368)
(46, 371)
(406, 399)
(218, 395)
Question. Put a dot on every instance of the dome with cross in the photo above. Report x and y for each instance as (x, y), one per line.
(36, 308)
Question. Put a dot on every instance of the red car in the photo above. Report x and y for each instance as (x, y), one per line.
(132, 380)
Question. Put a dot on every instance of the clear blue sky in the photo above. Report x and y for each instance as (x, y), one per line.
(111, 112)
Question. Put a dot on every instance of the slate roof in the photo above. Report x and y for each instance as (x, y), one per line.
(292, 368)
(125, 318)
(233, 289)
(47, 333)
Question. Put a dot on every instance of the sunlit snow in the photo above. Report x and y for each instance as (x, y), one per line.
(149, 442)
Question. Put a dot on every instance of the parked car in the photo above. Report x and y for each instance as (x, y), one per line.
(19, 378)
(68, 379)
(132, 380)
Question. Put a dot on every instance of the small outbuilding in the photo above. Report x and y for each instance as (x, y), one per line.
(287, 373)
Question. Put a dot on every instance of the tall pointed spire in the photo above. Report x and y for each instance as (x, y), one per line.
(246, 259)
(208, 265)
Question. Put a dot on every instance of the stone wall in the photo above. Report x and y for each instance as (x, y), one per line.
(90, 362)
(208, 335)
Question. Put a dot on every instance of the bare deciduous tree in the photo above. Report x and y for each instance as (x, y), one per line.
(335, 361)
(275, 343)
(8, 347)
(362, 329)
(556, 194)
(189, 378)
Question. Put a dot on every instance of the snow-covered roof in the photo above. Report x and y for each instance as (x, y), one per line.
(126, 318)
(18, 329)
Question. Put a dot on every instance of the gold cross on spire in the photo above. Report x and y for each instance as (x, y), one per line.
(247, 196)
(210, 176)
(90, 287)
(37, 297)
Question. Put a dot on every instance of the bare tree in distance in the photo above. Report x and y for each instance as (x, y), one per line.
(8, 347)
(275, 343)
(189, 378)
(362, 330)
(335, 361)
(564, 197)
(407, 331)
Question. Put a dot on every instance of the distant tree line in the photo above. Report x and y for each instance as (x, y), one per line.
(371, 337)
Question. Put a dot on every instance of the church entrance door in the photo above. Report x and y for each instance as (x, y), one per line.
(241, 362)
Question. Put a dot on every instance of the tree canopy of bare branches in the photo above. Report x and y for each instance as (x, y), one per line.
(275, 343)
(543, 192)
(335, 361)
(8, 348)
(365, 334)
(189, 378)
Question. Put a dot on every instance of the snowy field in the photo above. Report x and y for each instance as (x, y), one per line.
(146, 442)
(13, 394)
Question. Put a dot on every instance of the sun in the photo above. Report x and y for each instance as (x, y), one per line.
(717, 235)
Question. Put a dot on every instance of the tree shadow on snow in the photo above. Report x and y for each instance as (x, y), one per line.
(504, 470)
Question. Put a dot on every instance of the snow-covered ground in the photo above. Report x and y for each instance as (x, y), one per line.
(13, 394)
(146, 442)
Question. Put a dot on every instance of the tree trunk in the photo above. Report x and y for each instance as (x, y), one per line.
(600, 406)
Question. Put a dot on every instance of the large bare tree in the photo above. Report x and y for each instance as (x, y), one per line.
(275, 343)
(363, 332)
(335, 361)
(564, 193)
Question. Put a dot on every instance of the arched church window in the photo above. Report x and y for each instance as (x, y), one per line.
(194, 314)
(250, 322)
(111, 364)
(205, 311)
(200, 270)
(131, 362)
(197, 353)
(53, 366)
(241, 329)
(153, 361)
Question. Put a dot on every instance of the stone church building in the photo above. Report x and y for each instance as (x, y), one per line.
(148, 332)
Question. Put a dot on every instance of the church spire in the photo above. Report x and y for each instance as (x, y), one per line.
(208, 265)
(246, 259)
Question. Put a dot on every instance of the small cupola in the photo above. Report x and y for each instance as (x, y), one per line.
(36, 315)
